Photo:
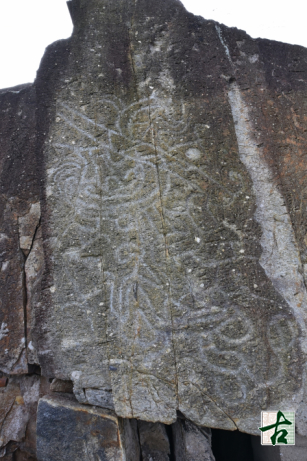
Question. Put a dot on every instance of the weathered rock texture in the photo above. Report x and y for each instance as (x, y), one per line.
(153, 227)
(191, 443)
(66, 431)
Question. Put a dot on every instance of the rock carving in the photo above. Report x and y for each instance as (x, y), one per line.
(153, 247)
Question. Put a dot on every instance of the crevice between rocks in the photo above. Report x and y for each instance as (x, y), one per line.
(169, 432)
(139, 440)
(25, 287)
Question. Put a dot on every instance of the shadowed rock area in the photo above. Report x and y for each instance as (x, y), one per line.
(153, 243)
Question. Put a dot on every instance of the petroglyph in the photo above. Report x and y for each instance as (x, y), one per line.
(131, 236)
(152, 235)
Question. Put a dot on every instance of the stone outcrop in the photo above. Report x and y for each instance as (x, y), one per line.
(153, 245)
(68, 431)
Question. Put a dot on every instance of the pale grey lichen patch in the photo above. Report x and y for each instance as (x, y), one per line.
(5, 266)
(193, 154)
(253, 59)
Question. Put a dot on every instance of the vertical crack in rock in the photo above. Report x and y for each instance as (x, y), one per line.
(26, 291)
(28, 228)
(141, 454)
(25, 302)
(136, 283)
(102, 269)
(165, 242)
(169, 432)
(34, 266)
(158, 179)
(28, 225)
(130, 39)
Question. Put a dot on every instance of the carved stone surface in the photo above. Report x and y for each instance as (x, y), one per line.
(153, 212)
(175, 265)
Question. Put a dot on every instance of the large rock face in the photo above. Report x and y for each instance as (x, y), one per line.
(153, 226)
